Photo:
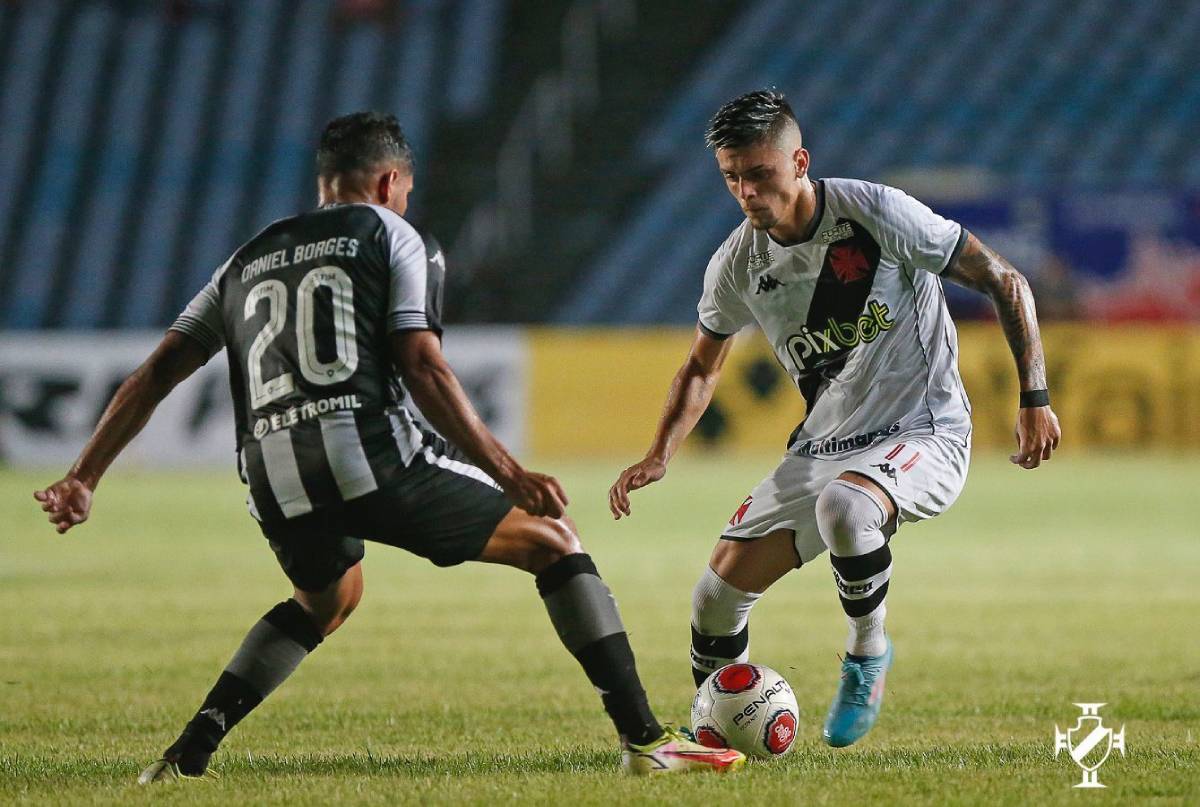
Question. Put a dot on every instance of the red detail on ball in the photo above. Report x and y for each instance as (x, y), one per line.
(736, 678)
(780, 732)
(710, 737)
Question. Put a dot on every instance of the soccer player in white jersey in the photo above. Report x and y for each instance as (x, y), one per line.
(843, 278)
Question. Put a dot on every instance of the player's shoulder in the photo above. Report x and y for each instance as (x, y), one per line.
(735, 250)
(858, 195)
(389, 218)
(402, 237)
(869, 202)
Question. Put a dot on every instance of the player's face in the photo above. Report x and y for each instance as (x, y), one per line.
(763, 179)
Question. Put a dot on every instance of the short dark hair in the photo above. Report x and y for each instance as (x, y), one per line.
(360, 142)
(749, 119)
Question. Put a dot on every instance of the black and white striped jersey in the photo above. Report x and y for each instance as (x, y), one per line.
(304, 310)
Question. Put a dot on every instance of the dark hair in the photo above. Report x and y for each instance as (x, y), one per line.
(748, 119)
(362, 141)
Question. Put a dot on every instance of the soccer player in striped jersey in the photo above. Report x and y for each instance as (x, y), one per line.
(843, 278)
(322, 315)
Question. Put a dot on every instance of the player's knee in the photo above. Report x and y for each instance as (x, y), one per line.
(849, 518)
(551, 541)
(330, 609)
(334, 618)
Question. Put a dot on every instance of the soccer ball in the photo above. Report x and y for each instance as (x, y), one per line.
(748, 707)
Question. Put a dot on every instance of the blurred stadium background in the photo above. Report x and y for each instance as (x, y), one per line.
(561, 162)
(560, 159)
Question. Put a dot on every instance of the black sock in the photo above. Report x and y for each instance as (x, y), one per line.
(228, 702)
(862, 580)
(271, 651)
(585, 615)
(711, 653)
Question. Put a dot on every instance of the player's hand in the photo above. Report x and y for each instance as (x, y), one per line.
(634, 477)
(536, 494)
(1037, 436)
(67, 502)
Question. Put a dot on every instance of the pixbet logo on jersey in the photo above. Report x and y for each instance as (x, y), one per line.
(837, 336)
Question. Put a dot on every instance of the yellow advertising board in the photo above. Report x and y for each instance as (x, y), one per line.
(599, 392)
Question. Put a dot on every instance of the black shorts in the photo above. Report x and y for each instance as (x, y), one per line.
(437, 510)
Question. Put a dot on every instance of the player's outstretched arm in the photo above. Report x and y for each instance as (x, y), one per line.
(433, 385)
(980, 268)
(690, 394)
(69, 500)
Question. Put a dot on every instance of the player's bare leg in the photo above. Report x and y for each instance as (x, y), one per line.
(737, 574)
(584, 614)
(852, 514)
(271, 651)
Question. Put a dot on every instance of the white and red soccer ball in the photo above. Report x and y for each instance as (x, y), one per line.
(748, 707)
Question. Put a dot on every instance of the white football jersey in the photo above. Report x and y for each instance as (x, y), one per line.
(855, 313)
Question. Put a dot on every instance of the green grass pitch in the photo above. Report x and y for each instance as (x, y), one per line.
(1075, 583)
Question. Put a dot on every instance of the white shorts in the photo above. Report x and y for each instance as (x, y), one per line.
(923, 474)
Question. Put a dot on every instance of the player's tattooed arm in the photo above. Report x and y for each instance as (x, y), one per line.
(691, 391)
(980, 268)
(69, 500)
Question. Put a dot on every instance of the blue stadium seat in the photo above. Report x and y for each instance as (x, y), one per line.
(1101, 96)
(141, 143)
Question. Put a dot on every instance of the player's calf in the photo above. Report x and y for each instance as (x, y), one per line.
(851, 520)
(584, 614)
(271, 651)
(720, 624)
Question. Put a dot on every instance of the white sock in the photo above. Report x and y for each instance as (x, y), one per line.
(867, 637)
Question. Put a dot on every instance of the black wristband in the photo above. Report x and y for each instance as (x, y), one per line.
(1035, 397)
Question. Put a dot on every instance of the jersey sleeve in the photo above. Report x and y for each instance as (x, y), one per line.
(435, 280)
(721, 309)
(914, 234)
(410, 307)
(201, 320)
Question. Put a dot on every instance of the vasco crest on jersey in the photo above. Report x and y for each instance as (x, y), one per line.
(855, 256)
(848, 262)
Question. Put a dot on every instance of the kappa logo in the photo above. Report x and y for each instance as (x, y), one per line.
(839, 233)
(741, 512)
(768, 283)
(887, 468)
(848, 263)
(1089, 743)
(760, 260)
(215, 715)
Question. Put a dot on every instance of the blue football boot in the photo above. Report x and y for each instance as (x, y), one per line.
(855, 708)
